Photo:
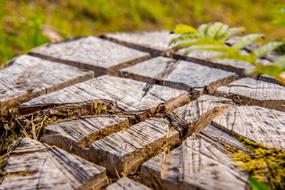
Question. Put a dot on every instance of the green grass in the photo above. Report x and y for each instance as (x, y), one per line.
(22, 21)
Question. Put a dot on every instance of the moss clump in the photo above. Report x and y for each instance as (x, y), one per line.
(265, 164)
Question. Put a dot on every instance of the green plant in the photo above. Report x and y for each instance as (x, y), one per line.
(213, 37)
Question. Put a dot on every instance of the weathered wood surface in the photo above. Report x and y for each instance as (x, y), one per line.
(129, 95)
(92, 53)
(262, 125)
(83, 131)
(199, 163)
(28, 77)
(159, 40)
(154, 41)
(33, 165)
(126, 183)
(196, 109)
(248, 91)
(124, 151)
(179, 74)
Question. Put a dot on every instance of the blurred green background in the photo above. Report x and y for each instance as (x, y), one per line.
(25, 24)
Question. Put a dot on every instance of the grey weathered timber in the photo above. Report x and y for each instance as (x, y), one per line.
(83, 131)
(196, 109)
(198, 163)
(129, 95)
(28, 77)
(179, 74)
(93, 53)
(159, 40)
(151, 41)
(126, 183)
(124, 151)
(248, 91)
(262, 125)
(33, 165)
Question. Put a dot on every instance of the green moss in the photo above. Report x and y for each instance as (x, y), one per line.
(267, 165)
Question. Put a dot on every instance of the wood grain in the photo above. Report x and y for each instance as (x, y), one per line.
(28, 77)
(248, 91)
(91, 53)
(33, 165)
(82, 132)
(157, 43)
(128, 95)
(199, 163)
(265, 126)
(179, 74)
(126, 183)
(151, 41)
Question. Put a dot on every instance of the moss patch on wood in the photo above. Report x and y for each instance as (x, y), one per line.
(267, 165)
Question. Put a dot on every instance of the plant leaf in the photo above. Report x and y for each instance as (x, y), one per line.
(231, 32)
(183, 29)
(265, 49)
(203, 28)
(184, 37)
(199, 41)
(214, 29)
(246, 40)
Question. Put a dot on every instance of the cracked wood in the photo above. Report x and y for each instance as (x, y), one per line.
(38, 166)
(179, 74)
(93, 53)
(28, 77)
(128, 95)
(262, 125)
(199, 163)
(249, 91)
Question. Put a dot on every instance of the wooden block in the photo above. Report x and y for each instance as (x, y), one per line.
(195, 116)
(129, 95)
(195, 109)
(38, 166)
(259, 124)
(124, 151)
(248, 91)
(92, 53)
(199, 163)
(179, 74)
(126, 183)
(81, 132)
(28, 77)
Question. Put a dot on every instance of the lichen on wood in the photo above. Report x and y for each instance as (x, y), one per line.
(265, 164)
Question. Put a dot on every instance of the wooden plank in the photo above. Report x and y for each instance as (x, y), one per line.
(265, 126)
(248, 91)
(28, 77)
(128, 95)
(81, 132)
(126, 183)
(33, 165)
(92, 53)
(199, 163)
(179, 74)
